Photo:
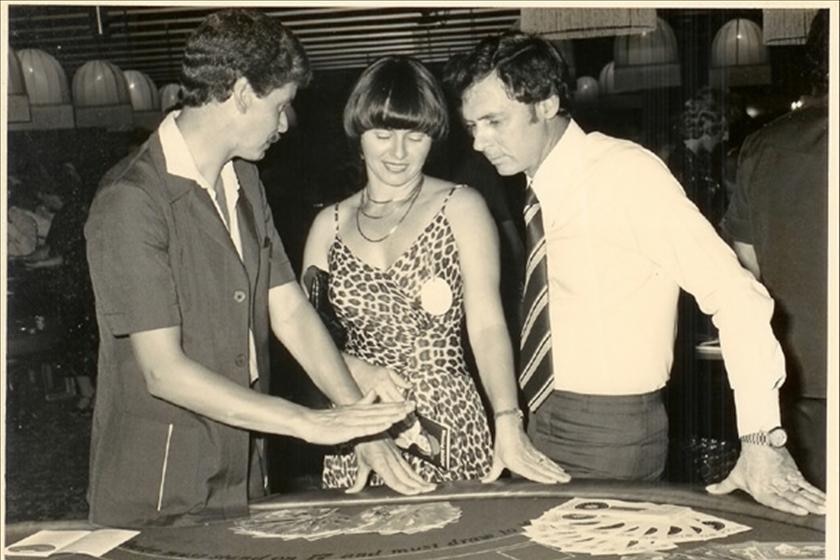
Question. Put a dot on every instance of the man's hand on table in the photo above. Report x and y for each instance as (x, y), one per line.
(360, 419)
(771, 477)
(513, 450)
(383, 457)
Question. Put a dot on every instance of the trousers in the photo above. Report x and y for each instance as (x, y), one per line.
(621, 437)
(805, 421)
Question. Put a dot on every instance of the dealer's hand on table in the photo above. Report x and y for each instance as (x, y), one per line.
(383, 457)
(514, 451)
(360, 419)
(771, 477)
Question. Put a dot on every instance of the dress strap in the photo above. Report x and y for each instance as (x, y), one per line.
(335, 216)
(449, 195)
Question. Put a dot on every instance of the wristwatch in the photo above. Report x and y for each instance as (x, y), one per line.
(777, 437)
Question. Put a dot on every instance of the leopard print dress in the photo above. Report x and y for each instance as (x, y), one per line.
(407, 317)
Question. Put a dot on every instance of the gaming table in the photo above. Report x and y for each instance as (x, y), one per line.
(489, 525)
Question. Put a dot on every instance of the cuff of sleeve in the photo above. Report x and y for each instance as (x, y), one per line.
(280, 273)
(757, 410)
(121, 324)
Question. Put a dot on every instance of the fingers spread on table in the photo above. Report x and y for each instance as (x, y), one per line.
(542, 469)
(813, 502)
(395, 471)
(362, 475)
(782, 501)
(399, 476)
(494, 473)
(359, 414)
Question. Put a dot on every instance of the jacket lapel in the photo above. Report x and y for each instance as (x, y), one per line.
(207, 217)
(201, 207)
(250, 239)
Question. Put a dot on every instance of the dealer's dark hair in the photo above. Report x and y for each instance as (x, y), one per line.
(396, 92)
(816, 53)
(235, 43)
(530, 68)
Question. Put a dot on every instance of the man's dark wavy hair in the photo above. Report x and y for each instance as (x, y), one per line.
(531, 68)
(236, 43)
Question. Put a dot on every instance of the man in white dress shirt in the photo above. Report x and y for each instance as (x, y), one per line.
(617, 241)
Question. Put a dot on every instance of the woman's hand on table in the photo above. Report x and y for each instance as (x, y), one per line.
(347, 422)
(383, 457)
(771, 477)
(387, 384)
(514, 451)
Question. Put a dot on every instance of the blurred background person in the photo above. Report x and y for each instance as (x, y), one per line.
(778, 220)
(62, 265)
(22, 230)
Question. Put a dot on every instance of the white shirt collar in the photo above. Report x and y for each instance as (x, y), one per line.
(560, 161)
(179, 160)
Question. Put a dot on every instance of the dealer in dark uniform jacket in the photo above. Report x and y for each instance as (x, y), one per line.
(189, 273)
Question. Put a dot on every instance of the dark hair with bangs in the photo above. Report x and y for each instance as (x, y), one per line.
(530, 68)
(396, 92)
(235, 43)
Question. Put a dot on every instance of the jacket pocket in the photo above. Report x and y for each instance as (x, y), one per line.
(153, 467)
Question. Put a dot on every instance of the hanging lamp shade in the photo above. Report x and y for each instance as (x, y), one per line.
(739, 56)
(142, 91)
(100, 83)
(786, 26)
(647, 61)
(606, 79)
(46, 86)
(581, 23)
(18, 100)
(145, 99)
(587, 90)
(101, 98)
(46, 82)
(170, 95)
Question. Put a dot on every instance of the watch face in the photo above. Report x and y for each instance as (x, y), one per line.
(777, 437)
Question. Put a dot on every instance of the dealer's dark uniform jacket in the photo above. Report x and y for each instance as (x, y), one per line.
(161, 256)
(780, 207)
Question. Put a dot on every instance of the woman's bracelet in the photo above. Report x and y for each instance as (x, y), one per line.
(508, 411)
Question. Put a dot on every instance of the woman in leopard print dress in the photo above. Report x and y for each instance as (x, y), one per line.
(409, 256)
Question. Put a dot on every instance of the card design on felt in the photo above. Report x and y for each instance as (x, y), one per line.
(320, 523)
(750, 550)
(606, 526)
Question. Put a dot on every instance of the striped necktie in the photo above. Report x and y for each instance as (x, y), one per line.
(536, 374)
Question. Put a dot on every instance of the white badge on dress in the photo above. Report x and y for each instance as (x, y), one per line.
(436, 296)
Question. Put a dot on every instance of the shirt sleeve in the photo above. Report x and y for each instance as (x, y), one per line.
(737, 222)
(127, 248)
(280, 269)
(22, 232)
(676, 236)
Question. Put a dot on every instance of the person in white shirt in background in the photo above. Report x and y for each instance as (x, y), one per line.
(621, 240)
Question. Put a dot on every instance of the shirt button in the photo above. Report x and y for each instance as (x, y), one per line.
(240, 360)
(239, 296)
